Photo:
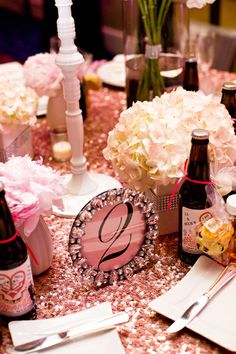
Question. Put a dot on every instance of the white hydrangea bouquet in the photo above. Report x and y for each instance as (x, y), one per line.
(18, 104)
(18, 107)
(150, 143)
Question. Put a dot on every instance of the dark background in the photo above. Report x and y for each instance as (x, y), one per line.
(22, 35)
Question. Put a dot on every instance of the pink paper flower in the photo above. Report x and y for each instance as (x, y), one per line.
(31, 188)
(42, 74)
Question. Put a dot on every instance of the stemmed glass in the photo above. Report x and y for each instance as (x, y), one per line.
(205, 52)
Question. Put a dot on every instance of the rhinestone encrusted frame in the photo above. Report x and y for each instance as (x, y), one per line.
(144, 255)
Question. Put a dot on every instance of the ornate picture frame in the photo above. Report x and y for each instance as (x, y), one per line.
(113, 236)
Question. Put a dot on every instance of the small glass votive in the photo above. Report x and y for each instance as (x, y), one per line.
(61, 148)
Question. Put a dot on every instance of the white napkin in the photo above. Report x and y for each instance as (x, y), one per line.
(99, 343)
(217, 320)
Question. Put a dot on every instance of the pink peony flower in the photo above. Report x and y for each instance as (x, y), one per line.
(31, 188)
(42, 74)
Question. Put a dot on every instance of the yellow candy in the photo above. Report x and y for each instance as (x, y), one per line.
(214, 236)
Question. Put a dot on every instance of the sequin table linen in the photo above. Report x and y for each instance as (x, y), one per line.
(58, 291)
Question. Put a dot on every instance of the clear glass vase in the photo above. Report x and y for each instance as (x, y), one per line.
(154, 63)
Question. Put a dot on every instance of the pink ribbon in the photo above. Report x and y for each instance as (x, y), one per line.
(32, 255)
(12, 238)
(184, 177)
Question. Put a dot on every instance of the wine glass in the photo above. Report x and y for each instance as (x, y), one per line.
(205, 50)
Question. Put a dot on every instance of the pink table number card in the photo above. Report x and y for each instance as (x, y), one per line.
(113, 236)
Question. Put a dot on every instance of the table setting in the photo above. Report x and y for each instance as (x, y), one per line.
(111, 280)
(59, 293)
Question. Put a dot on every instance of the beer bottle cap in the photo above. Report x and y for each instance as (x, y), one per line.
(231, 204)
(191, 60)
(229, 86)
(200, 134)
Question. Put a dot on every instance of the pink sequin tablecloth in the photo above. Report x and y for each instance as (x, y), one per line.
(59, 293)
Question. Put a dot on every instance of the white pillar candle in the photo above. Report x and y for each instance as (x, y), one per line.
(61, 151)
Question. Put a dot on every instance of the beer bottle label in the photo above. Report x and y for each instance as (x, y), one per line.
(192, 219)
(16, 290)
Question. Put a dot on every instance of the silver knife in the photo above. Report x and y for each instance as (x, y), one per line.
(67, 335)
(193, 310)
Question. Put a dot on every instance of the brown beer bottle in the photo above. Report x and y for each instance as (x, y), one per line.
(228, 98)
(190, 81)
(194, 206)
(16, 282)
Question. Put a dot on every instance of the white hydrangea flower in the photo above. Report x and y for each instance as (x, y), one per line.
(151, 141)
(18, 104)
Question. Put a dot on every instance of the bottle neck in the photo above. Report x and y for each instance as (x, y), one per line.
(198, 165)
(191, 81)
(7, 227)
(229, 100)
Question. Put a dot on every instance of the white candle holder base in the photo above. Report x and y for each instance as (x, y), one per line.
(72, 203)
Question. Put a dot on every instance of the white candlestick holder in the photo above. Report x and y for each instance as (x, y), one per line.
(81, 185)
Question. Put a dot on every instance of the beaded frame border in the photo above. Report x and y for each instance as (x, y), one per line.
(146, 252)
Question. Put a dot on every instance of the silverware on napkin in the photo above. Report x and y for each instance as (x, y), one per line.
(72, 333)
(225, 276)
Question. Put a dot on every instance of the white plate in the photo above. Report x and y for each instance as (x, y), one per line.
(217, 321)
(113, 73)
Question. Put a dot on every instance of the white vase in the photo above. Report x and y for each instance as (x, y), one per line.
(56, 109)
(40, 247)
(168, 219)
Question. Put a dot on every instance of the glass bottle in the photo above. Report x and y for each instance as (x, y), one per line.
(194, 206)
(16, 282)
(191, 81)
(231, 208)
(228, 98)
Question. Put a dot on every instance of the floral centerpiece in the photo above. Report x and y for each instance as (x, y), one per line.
(31, 190)
(151, 141)
(18, 106)
(42, 74)
(153, 15)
